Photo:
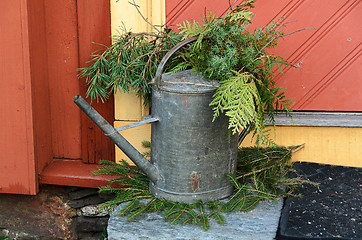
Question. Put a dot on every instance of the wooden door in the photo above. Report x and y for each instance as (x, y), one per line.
(72, 27)
(42, 45)
(328, 77)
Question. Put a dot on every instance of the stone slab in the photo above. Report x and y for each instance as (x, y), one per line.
(258, 224)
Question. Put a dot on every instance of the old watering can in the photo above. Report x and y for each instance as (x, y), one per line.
(190, 154)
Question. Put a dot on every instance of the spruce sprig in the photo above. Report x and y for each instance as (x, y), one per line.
(262, 174)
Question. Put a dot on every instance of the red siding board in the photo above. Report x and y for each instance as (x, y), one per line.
(94, 26)
(62, 51)
(326, 55)
(343, 96)
(321, 62)
(40, 84)
(17, 159)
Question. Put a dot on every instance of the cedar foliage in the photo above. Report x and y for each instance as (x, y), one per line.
(262, 174)
(225, 50)
(239, 60)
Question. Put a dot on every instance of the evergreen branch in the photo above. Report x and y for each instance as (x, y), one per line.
(204, 220)
(237, 202)
(142, 209)
(252, 205)
(178, 214)
(239, 98)
(261, 173)
(231, 6)
(251, 173)
(128, 207)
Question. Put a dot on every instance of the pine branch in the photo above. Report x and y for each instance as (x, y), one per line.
(261, 173)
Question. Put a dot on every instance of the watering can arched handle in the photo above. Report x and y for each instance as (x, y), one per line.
(157, 80)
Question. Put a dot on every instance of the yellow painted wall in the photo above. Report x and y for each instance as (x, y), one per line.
(326, 145)
(128, 107)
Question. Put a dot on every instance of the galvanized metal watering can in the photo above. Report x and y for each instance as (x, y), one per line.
(190, 154)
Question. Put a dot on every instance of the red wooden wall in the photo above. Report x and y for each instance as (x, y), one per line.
(44, 137)
(18, 141)
(329, 57)
(71, 28)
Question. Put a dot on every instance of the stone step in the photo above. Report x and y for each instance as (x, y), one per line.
(260, 223)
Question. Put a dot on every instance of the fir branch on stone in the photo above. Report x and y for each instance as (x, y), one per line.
(262, 174)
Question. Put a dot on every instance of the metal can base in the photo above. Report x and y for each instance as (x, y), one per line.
(189, 198)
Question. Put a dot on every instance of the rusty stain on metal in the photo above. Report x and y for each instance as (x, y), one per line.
(185, 99)
(195, 181)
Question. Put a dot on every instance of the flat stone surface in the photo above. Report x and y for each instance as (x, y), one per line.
(92, 211)
(332, 211)
(258, 224)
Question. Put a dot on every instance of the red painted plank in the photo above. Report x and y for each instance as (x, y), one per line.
(342, 85)
(40, 84)
(62, 51)
(72, 173)
(17, 159)
(326, 55)
(94, 26)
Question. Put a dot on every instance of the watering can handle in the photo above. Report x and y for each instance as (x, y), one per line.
(157, 79)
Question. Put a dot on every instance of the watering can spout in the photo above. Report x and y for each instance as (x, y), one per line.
(146, 166)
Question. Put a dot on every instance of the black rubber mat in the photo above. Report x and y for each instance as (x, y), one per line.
(331, 211)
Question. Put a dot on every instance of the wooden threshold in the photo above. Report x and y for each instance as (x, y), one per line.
(72, 173)
(319, 119)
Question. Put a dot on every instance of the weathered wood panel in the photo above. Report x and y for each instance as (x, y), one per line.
(94, 19)
(40, 84)
(40, 47)
(17, 159)
(72, 27)
(62, 50)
